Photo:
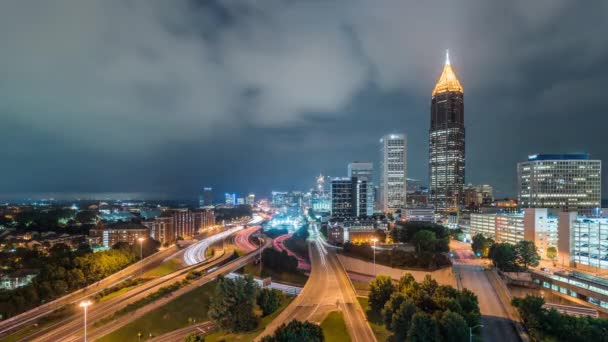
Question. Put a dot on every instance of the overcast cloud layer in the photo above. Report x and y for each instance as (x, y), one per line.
(167, 96)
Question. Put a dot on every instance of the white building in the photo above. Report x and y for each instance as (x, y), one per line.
(250, 199)
(583, 242)
(531, 225)
(569, 182)
(393, 171)
(418, 214)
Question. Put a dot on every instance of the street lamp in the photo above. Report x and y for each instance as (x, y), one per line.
(141, 254)
(85, 304)
(471, 331)
(374, 240)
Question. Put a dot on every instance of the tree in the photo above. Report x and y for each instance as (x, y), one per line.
(402, 319)
(232, 306)
(423, 329)
(481, 245)
(296, 331)
(194, 338)
(552, 253)
(527, 254)
(380, 290)
(503, 256)
(424, 241)
(453, 327)
(269, 300)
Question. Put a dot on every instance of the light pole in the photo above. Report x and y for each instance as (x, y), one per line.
(374, 240)
(141, 254)
(85, 304)
(471, 331)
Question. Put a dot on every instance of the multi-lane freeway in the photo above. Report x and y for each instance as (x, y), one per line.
(29, 317)
(470, 274)
(327, 289)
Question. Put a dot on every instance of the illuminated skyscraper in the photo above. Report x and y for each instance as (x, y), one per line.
(393, 171)
(446, 141)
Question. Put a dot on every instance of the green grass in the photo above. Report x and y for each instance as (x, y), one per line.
(43, 322)
(173, 315)
(165, 268)
(375, 321)
(298, 278)
(334, 328)
(249, 336)
(117, 293)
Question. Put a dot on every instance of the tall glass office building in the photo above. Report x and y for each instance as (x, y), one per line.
(569, 182)
(446, 142)
(393, 172)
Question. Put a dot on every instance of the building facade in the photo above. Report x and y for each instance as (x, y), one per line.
(583, 242)
(110, 234)
(348, 197)
(206, 197)
(447, 142)
(419, 214)
(364, 171)
(393, 172)
(534, 224)
(569, 182)
(230, 199)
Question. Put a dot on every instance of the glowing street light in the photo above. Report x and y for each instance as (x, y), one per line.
(85, 304)
(141, 254)
(471, 331)
(374, 240)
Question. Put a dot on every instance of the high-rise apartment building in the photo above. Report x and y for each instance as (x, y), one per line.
(569, 182)
(393, 171)
(447, 142)
(364, 171)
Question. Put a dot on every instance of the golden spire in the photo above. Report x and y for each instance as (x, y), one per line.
(448, 80)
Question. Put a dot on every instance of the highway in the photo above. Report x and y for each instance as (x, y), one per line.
(241, 239)
(180, 334)
(327, 289)
(470, 274)
(195, 254)
(72, 327)
(29, 317)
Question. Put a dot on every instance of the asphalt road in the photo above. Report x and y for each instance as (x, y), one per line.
(31, 316)
(471, 275)
(180, 334)
(327, 289)
(71, 328)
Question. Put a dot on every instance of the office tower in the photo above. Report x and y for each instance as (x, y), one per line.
(569, 182)
(240, 201)
(447, 141)
(393, 171)
(230, 199)
(348, 197)
(320, 184)
(250, 199)
(206, 197)
(364, 171)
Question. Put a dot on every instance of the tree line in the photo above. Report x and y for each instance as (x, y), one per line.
(505, 256)
(423, 311)
(62, 270)
(550, 325)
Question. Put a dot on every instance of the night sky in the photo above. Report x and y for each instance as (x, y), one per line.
(164, 97)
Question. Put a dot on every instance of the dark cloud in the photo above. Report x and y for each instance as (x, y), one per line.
(165, 96)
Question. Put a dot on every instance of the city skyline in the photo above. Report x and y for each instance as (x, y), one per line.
(61, 143)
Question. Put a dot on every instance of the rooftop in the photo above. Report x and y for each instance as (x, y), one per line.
(565, 156)
(448, 80)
